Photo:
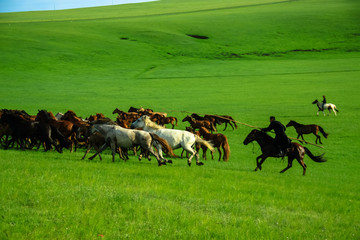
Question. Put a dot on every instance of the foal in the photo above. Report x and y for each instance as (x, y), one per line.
(306, 129)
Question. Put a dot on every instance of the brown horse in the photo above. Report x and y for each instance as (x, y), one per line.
(95, 117)
(66, 128)
(168, 120)
(82, 125)
(269, 149)
(197, 124)
(218, 140)
(306, 129)
(220, 119)
(132, 116)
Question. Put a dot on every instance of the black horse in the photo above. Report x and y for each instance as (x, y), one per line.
(23, 129)
(269, 149)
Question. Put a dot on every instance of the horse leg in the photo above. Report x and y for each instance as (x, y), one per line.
(302, 136)
(332, 108)
(225, 126)
(258, 167)
(87, 151)
(204, 150)
(156, 156)
(318, 138)
(160, 153)
(99, 151)
(262, 161)
(193, 153)
(290, 160)
(219, 150)
(301, 162)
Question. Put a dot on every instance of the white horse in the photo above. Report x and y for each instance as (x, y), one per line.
(175, 138)
(328, 106)
(116, 136)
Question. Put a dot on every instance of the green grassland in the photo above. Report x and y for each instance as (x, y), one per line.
(261, 58)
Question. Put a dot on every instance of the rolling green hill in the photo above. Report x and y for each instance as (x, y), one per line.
(247, 59)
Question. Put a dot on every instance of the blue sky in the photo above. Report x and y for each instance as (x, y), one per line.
(38, 5)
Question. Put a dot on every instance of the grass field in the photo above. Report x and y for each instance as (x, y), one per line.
(261, 58)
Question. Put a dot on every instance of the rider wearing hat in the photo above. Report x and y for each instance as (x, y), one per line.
(281, 140)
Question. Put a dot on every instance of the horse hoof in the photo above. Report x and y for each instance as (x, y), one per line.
(200, 163)
(169, 161)
(162, 163)
(189, 163)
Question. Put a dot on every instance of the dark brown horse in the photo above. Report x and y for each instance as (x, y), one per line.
(269, 149)
(66, 128)
(219, 141)
(197, 124)
(220, 119)
(168, 120)
(24, 129)
(306, 129)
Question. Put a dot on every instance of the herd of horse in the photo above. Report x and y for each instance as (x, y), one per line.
(142, 130)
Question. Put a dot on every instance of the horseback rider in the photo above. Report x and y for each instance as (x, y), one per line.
(281, 140)
(323, 103)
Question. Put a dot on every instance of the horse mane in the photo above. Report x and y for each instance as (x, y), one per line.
(152, 124)
(265, 135)
(296, 123)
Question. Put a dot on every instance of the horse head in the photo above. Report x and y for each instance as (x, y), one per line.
(42, 115)
(251, 136)
(187, 118)
(315, 101)
(291, 123)
(140, 122)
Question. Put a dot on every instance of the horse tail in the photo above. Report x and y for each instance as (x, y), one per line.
(167, 148)
(323, 132)
(56, 134)
(226, 149)
(315, 158)
(204, 143)
(175, 120)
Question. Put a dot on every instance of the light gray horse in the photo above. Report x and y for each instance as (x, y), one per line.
(116, 136)
(175, 138)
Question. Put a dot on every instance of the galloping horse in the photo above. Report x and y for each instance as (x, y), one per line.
(218, 140)
(168, 120)
(66, 128)
(306, 129)
(197, 124)
(176, 138)
(328, 106)
(117, 136)
(269, 149)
